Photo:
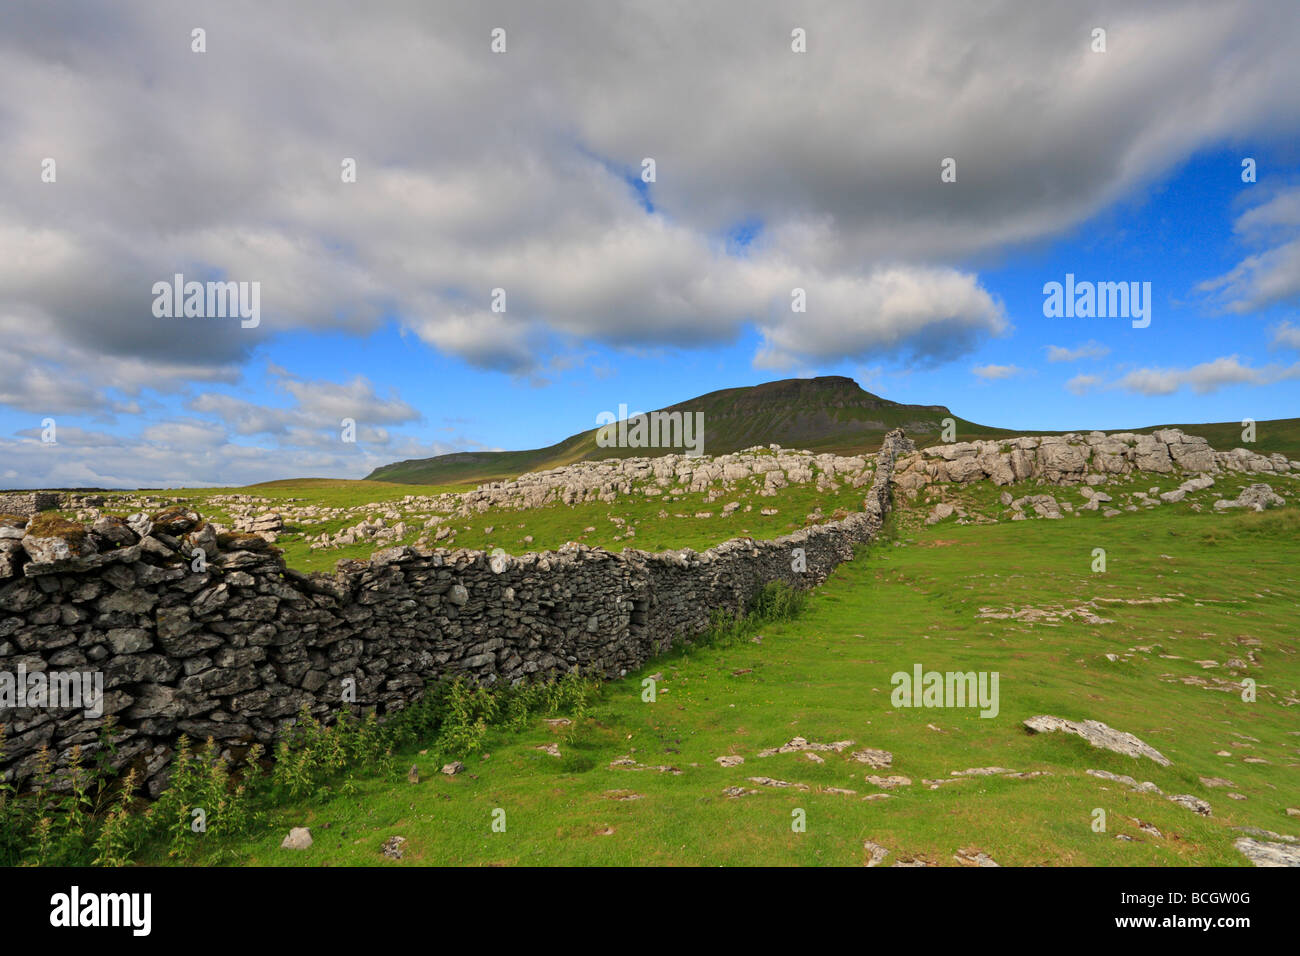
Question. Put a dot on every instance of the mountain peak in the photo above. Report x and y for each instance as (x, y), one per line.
(829, 413)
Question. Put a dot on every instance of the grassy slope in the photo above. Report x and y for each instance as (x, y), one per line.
(855, 437)
(845, 431)
(824, 414)
(826, 677)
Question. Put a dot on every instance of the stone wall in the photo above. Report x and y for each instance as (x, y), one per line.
(27, 503)
(211, 635)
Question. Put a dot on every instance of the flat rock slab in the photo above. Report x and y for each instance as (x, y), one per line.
(1193, 803)
(1097, 734)
(1268, 854)
(799, 745)
(630, 764)
(1147, 828)
(872, 757)
(973, 858)
(876, 851)
(1216, 782)
(888, 783)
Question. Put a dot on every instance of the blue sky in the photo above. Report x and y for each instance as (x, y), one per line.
(1115, 166)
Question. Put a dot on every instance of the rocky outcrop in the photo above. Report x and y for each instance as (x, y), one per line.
(1076, 459)
(772, 467)
(235, 645)
(1256, 498)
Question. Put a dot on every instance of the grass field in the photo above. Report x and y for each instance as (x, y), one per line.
(658, 523)
(1230, 589)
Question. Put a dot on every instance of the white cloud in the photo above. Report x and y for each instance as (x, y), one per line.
(1269, 277)
(997, 372)
(1089, 350)
(834, 154)
(926, 315)
(1082, 384)
(191, 453)
(478, 171)
(1205, 378)
(1285, 335)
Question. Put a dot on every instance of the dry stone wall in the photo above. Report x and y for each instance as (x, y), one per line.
(28, 503)
(211, 635)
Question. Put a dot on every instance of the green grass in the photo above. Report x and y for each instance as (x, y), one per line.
(654, 519)
(825, 675)
(550, 527)
(331, 492)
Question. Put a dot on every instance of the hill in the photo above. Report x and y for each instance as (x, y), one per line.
(826, 414)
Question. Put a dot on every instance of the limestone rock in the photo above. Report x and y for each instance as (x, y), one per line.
(1097, 734)
(877, 759)
(1256, 497)
(299, 838)
(1263, 853)
(877, 853)
(49, 538)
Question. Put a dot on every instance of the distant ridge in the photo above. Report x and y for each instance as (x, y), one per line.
(831, 413)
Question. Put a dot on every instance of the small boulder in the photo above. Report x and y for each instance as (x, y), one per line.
(50, 538)
(299, 838)
(175, 521)
(115, 531)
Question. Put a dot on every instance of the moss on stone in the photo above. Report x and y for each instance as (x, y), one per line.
(242, 541)
(49, 525)
(174, 519)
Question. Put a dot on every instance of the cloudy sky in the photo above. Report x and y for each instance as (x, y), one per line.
(523, 170)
